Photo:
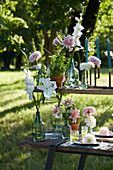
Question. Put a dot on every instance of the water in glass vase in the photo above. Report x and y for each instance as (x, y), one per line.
(66, 128)
(38, 128)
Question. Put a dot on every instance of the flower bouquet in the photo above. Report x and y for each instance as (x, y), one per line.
(42, 81)
(89, 119)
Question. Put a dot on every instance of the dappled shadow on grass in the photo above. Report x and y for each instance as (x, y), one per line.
(17, 157)
(17, 108)
(13, 83)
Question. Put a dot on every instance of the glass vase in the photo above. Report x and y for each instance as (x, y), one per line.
(90, 130)
(66, 128)
(83, 84)
(58, 126)
(38, 128)
(72, 75)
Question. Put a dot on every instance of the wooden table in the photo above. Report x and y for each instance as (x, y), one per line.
(58, 145)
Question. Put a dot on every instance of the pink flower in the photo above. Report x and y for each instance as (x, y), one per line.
(68, 103)
(36, 55)
(95, 60)
(75, 114)
(88, 111)
(68, 41)
(104, 131)
(56, 110)
(56, 41)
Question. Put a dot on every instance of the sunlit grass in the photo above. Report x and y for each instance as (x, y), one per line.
(16, 117)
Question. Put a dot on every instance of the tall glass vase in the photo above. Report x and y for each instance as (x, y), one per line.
(58, 126)
(38, 128)
(83, 84)
(72, 75)
(66, 128)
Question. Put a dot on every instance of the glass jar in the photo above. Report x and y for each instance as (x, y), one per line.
(38, 128)
(66, 128)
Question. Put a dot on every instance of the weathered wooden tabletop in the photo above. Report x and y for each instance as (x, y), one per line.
(106, 149)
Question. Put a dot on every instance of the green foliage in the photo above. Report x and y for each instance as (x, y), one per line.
(59, 64)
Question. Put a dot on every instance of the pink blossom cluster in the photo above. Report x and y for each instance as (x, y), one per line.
(75, 113)
(95, 60)
(68, 103)
(56, 110)
(104, 131)
(88, 111)
(35, 56)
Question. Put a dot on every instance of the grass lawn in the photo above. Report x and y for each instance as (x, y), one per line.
(16, 117)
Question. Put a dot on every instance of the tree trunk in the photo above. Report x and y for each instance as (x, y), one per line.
(48, 45)
(18, 61)
(89, 19)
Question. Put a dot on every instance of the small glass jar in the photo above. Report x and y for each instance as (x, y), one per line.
(66, 128)
(38, 128)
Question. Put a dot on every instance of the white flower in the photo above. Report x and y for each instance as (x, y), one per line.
(92, 65)
(90, 121)
(89, 138)
(111, 53)
(38, 66)
(85, 66)
(104, 131)
(29, 81)
(27, 73)
(48, 87)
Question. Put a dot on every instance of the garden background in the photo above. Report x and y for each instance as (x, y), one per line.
(29, 26)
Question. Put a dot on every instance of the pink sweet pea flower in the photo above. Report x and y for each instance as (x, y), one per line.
(56, 110)
(36, 55)
(95, 60)
(88, 111)
(68, 103)
(75, 114)
(56, 41)
(68, 41)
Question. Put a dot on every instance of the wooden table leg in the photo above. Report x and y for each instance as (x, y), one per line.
(50, 158)
(82, 161)
(51, 154)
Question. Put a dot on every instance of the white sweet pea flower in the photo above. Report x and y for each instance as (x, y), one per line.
(48, 87)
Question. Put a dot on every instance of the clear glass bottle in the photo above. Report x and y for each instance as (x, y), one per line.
(66, 128)
(58, 126)
(38, 128)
